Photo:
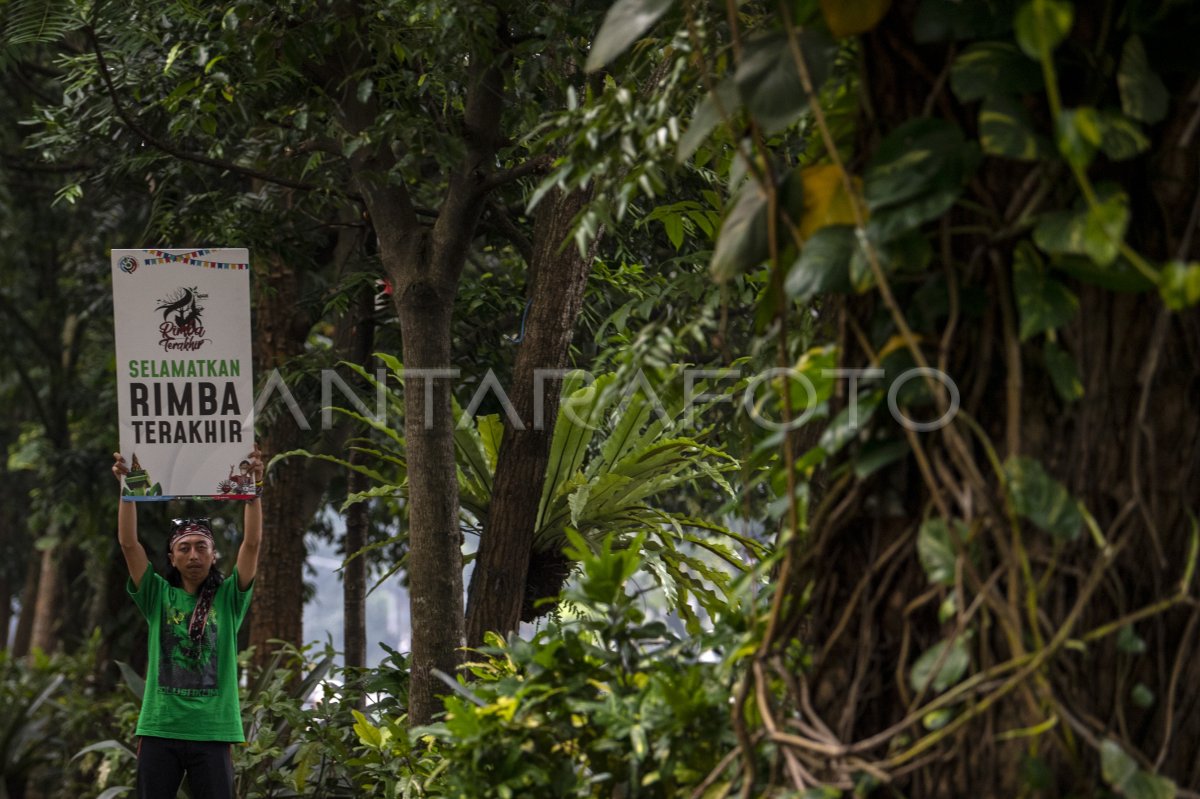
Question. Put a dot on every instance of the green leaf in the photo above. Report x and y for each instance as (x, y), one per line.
(1006, 129)
(1043, 302)
(953, 667)
(875, 455)
(29, 21)
(1120, 275)
(624, 24)
(1143, 95)
(954, 20)
(1120, 137)
(742, 242)
(1041, 25)
(365, 87)
(368, 734)
(723, 100)
(910, 161)
(1141, 695)
(1116, 766)
(1144, 785)
(1179, 284)
(1063, 371)
(823, 264)
(1042, 500)
(1097, 231)
(936, 549)
(769, 82)
(1078, 135)
(846, 426)
(915, 175)
(134, 681)
(989, 69)
(1129, 642)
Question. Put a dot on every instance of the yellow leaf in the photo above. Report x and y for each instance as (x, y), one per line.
(826, 201)
(852, 17)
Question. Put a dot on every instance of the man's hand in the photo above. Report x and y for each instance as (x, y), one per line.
(119, 469)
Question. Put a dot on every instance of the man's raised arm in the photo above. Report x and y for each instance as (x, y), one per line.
(247, 559)
(135, 553)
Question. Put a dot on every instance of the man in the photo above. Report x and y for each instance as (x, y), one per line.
(190, 714)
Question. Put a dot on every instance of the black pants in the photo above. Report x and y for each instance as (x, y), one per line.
(162, 762)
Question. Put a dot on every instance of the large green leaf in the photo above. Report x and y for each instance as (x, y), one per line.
(769, 82)
(1078, 134)
(989, 69)
(624, 24)
(1143, 95)
(1063, 371)
(1121, 771)
(823, 264)
(1120, 137)
(580, 411)
(1041, 25)
(1006, 129)
(1042, 500)
(954, 664)
(723, 101)
(1043, 302)
(1120, 275)
(37, 21)
(742, 242)
(915, 175)
(1180, 285)
(911, 161)
(1096, 231)
(936, 549)
(954, 20)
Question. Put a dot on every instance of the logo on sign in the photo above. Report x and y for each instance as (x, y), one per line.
(182, 328)
(128, 264)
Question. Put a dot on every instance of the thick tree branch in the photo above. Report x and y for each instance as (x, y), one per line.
(536, 165)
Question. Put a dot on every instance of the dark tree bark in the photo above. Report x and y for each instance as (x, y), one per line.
(46, 617)
(290, 498)
(354, 573)
(499, 595)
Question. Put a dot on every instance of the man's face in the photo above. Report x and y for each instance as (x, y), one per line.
(193, 555)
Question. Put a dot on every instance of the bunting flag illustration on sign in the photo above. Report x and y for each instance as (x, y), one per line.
(185, 390)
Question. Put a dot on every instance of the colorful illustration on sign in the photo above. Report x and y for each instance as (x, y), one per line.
(240, 481)
(182, 328)
(137, 482)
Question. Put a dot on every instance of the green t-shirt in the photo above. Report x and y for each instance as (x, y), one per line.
(191, 691)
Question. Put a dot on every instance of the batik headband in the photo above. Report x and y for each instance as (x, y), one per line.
(184, 527)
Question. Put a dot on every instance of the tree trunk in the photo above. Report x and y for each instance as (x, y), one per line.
(288, 502)
(435, 538)
(558, 276)
(45, 614)
(354, 573)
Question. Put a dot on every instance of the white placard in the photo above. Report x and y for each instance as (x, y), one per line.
(185, 389)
